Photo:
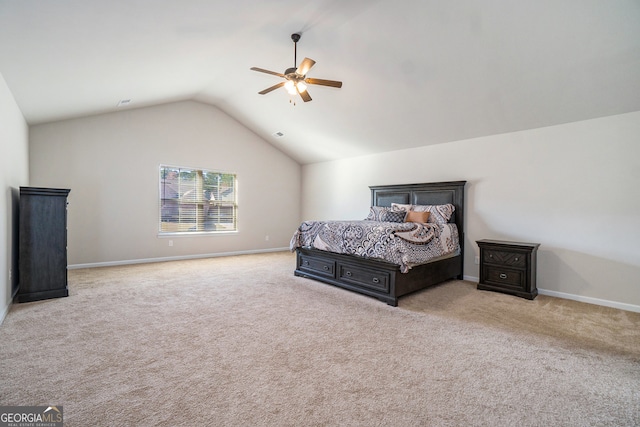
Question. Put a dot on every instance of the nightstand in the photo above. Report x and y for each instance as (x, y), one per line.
(508, 267)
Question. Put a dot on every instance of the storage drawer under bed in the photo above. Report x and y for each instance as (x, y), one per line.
(317, 265)
(364, 278)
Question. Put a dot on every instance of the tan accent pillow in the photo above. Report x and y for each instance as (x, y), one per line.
(413, 216)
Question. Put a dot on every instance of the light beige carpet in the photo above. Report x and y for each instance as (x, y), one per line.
(240, 341)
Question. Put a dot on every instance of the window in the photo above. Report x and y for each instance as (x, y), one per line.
(197, 200)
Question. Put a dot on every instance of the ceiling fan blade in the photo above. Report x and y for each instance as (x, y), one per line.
(323, 82)
(269, 89)
(305, 66)
(262, 70)
(305, 95)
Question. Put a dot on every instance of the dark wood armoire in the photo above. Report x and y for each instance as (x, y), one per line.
(42, 253)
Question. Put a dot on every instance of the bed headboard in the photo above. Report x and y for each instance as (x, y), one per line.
(433, 193)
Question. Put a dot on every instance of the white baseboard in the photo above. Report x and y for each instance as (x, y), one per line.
(590, 300)
(173, 258)
(580, 298)
(4, 313)
(5, 310)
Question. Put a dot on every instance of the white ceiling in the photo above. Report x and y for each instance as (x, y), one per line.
(415, 72)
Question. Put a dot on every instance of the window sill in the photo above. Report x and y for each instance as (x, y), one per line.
(194, 233)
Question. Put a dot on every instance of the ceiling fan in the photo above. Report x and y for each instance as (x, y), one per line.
(296, 79)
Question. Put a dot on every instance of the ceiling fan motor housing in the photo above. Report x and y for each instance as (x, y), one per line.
(290, 72)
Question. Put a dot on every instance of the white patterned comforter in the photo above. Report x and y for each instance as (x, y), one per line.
(402, 243)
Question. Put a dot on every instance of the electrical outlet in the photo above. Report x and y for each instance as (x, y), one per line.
(477, 260)
(170, 242)
(266, 238)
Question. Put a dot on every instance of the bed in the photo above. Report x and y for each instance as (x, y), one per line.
(383, 279)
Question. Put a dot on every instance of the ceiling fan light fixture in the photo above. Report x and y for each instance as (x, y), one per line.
(290, 87)
(301, 86)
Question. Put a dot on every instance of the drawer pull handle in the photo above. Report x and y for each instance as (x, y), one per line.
(376, 280)
(490, 255)
(326, 267)
(517, 258)
(348, 273)
(503, 276)
(306, 262)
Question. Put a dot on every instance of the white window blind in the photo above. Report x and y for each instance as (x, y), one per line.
(197, 200)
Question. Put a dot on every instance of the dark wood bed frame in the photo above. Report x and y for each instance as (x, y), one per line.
(381, 279)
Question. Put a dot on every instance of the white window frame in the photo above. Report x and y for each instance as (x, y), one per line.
(194, 201)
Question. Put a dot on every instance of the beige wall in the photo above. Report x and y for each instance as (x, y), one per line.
(110, 162)
(573, 188)
(14, 172)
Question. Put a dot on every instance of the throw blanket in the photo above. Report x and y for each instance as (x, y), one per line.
(402, 243)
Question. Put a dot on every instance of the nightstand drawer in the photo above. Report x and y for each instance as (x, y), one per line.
(504, 277)
(505, 258)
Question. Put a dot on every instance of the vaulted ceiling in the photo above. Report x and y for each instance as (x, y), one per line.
(415, 72)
